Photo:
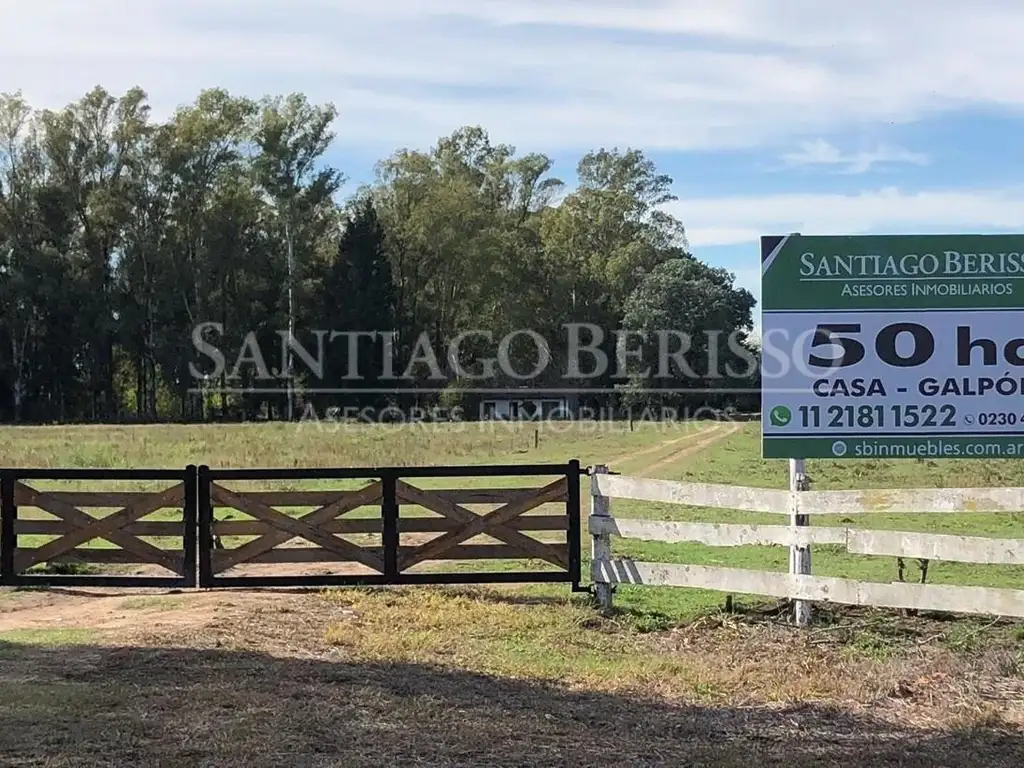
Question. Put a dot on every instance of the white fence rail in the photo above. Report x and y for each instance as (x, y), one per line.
(799, 585)
(917, 500)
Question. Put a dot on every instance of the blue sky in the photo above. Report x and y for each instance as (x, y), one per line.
(818, 116)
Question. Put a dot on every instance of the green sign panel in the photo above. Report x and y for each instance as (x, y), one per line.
(892, 346)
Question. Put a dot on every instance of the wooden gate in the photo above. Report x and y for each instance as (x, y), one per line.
(163, 549)
(375, 526)
(506, 523)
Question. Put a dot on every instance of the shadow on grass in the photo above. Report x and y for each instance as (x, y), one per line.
(90, 705)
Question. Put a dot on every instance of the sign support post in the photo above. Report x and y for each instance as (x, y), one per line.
(799, 556)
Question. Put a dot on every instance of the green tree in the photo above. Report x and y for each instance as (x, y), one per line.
(358, 297)
(120, 235)
(146, 273)
(462, 222)
(691, 322)
(609, 233)
(91, 148)
(602, 241)
(292, 136)
(22, 297)
(201, 148)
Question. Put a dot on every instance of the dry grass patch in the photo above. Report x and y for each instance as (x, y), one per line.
(465, 677)
(502, 633)
(722, 659)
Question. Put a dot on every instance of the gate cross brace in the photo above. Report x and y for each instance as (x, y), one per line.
(492, 523)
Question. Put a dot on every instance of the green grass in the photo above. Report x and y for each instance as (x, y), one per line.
(46, 637)
(309, 445)
(152, 603)
(479, 630)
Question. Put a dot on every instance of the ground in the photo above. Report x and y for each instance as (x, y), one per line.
(508, 676)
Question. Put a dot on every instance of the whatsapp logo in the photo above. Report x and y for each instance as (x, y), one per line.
(780, 416)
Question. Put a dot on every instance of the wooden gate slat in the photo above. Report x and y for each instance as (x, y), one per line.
(107, 528)
(288, 528)
(99, 499)
(482, 523)
(258, 528)
(164, 528)
(283, 555)
(434, 524)
(453, 511)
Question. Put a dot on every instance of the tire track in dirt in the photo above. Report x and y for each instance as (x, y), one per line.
(115, 611)
(689, 450)
(104, 609)
(703, 438)
(660, 446)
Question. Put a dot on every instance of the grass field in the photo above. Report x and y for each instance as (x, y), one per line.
(511, 676)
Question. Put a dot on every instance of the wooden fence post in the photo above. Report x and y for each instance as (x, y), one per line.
(799, 556)
(601, 543)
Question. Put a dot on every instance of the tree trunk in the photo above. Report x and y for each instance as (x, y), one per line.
(140, 385)
(18, 359)
(289, 360)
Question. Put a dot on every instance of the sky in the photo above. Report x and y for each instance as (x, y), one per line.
(772, 116)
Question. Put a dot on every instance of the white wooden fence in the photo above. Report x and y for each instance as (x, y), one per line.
(798, 503)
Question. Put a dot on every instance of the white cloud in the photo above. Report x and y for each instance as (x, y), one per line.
(823, 154)
(734, 220)
(703, 74)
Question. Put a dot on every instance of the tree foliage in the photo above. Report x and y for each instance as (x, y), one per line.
(121, 235)
(692, 324)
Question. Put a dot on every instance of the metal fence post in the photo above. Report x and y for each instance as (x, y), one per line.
(204, 513)
(8, 536)
(190, 525)
(390, 538)
(799, 556)
(601, 543)
(572, 531)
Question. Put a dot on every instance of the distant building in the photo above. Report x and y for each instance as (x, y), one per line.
(527, 406)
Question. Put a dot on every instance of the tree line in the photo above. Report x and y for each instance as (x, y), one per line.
(121, 235)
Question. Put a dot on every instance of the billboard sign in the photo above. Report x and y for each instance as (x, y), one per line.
(907, 346)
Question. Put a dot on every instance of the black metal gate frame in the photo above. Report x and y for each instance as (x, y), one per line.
(197, 532)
